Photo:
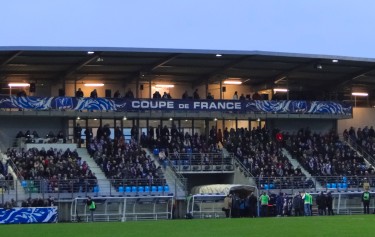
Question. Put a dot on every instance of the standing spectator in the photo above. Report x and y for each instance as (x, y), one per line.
(77, 135)
(129, 94)
(235, 96)
(79, 93)
(117, 94)
(165, 95)
(209, 96)
(280, 204)
(366, 202)
(196, 95)
(264, 199)
(89, 135)
(252, 203)
(297, 204)
(307, 205)
(322, 203)
(227, 205)
(185, 95)
(329, 203)
(94, 94)
(156, 95)
(92, 206)
(242, 97)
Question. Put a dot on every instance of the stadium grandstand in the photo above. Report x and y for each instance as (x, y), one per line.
(168, 133)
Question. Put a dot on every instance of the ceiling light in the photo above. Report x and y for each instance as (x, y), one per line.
(164, 86)
(124, 118)
(219, 55)
(319, 66)
(95, 119)
(359, 93)
(335, 60)
(78, 118)
(186, 120)
(90, 52)
(170, 119)
(16, 84)
(215, 119)
(94, 84)
(258, 119)
(232, 82)
(280, 90)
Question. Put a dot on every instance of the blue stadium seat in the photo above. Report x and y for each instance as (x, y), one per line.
(328, 185)
(160, 188)
(166, 188)
(121, 189)
(266, 186)
(156, 151)
(24, 184)
(333, 185)
(128, 189)
(147, 189)
(344, 179)
(345, 185)
(153, 189)
(339, 185)
(96, 189)
(134, 189)
(141, 189)
(271, 186)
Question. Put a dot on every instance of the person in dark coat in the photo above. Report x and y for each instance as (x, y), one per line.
(329, 202)
(321, 201)
(298, 205)
(252, 204)
(280, 204)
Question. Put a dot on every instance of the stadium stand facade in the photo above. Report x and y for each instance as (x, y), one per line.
(170, 126)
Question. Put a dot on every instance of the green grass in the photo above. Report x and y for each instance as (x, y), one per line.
(359, 225)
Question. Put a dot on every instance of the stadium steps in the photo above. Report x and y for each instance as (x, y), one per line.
(241, 174)
(296, 164)
(105, 186)
(176, 185)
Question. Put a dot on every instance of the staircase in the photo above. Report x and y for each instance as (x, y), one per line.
(241, 174)
(295, 164)
(105, 187)
(175, 181)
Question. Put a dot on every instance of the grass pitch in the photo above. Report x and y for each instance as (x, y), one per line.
(358, 225)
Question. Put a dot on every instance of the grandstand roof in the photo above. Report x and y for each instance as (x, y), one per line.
(261, 70)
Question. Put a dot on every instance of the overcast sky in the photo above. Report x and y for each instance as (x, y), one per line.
(331, 27)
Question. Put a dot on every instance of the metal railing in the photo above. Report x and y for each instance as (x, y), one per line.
(200, 162)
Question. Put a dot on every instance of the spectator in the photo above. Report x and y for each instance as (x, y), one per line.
(235, 96)
(185, 95)
(94, 94)
(242, 97)
(79, 93)
(209, 96)
(117, 94)
(196, 95)
(156, 95)
(129, 94)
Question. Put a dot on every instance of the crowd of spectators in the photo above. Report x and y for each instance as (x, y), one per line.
(363, 137)
(323, 154)
(262, 156)
(30, 202)
(52, 170)
(125, 163)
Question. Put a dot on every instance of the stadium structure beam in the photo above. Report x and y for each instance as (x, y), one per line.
(207, 77)
(8, 60)
(270, 82)
(343, 81)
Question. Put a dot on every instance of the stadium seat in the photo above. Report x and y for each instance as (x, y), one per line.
(121, 189)
(24, 184)
(166, 188)
(344, 179)
(160, 188)
(96, 189)
(266, 186)
(147, 189)
(141, 189)
(153, 189)
(128, 189)
(156, 151)
(345, 185)
(134, 189)
(333, 185)
(339, 185)
(271, 186)
(328, 185)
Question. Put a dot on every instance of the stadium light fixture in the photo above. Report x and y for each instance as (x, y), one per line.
(280, 90)
(359, 94)
(218, 55)
(124, 118)
(170, 119)
(90, 52)
(164, 86)
(335, 60)
(232, 82)
(17, 84)
(94, 84)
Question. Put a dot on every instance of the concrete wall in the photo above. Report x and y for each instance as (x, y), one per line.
(361, 117)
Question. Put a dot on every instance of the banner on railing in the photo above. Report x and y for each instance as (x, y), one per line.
(255, 106)
(28, 215)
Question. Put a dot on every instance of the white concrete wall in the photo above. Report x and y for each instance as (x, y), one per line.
(361, 117)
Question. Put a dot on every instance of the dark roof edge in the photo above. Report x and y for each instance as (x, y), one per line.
(187, 51)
